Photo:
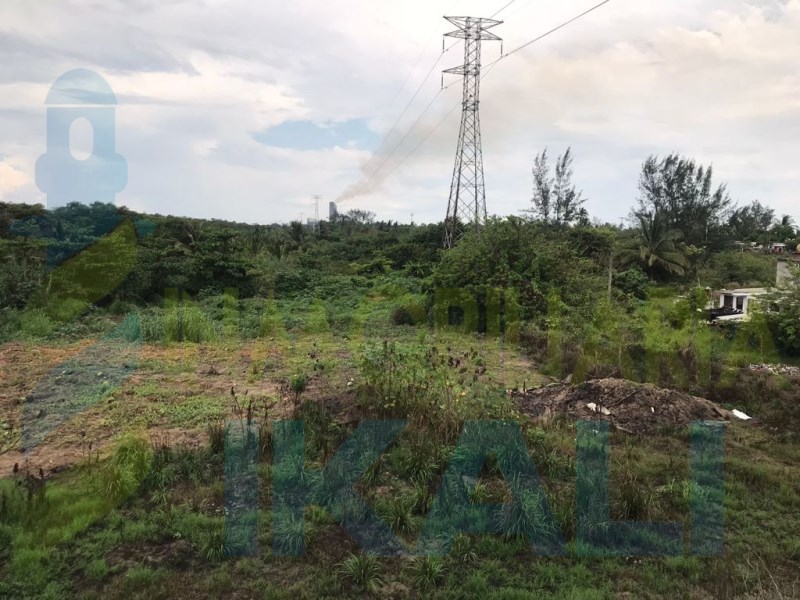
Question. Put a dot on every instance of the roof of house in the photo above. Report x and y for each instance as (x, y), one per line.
(745, 291)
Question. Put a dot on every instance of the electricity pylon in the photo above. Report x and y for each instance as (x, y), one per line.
(467, 202)
(316, 199)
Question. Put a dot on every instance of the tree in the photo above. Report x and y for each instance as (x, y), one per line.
(655, 247)
(555, 198)
(681, 193)
(542, 187)
(784, 318)
(783, 229)
(360, 216)
(751, 222)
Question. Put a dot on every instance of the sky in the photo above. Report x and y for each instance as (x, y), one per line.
(242, 110)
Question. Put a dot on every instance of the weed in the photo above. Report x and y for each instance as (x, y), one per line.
(216, 437)
(398, 513)
(187, 323)
(361, 571)
(426, 572)
(298, 385)
(97, 569)
(213, 545)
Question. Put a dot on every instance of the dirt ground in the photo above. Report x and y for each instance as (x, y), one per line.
(628, 406)
(43, 393)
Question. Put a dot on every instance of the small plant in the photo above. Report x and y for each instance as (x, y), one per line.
(126, 470)
(216, 437)
(294, 535)
(213, 547)
(399, 513)
(426, 572)
(187, 323)
(298, 385)
(361, 571)
(462, 551)
(97, 570)
(143, 577)
(160, 497)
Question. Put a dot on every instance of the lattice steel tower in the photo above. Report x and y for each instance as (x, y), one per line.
(467, 202)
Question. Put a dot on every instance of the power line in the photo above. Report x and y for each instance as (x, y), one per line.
(417, 91)
(502, 9)
(552, 31)
(376, 172)
(489, 67)
(416, 62)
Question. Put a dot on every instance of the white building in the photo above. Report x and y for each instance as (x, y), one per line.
(742, 300)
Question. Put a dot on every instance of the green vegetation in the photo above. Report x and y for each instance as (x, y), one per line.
(233, 327)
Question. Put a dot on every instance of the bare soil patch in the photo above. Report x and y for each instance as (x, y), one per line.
(628, 406)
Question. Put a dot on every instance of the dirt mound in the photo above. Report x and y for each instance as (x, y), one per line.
(628, 406)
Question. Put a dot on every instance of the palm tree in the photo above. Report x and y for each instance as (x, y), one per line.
(656, 247)
(784, 229)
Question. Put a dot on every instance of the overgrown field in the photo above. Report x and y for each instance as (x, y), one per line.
(140, 511)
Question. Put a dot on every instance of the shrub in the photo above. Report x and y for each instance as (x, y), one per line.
(784, 320)
(10, 323)
(213, 546)
(187, 323)
(97, 569)
(216, 437)
(35, 323)
(298, 384)
(632, 282)
(119, 307)
(361, 571)
(317, 319)
(426, 572)
(66, 309)
(126, 470)
(738, 269)
(271, 320)
(398, 513)
(409, 313)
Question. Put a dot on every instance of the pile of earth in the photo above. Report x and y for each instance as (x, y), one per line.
(628, 406)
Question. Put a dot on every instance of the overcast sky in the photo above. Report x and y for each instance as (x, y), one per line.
(242, 109)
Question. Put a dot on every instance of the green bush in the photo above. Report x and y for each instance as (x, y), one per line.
(66, 309)
(271, 324)
(426, 572)
(738, 269)
(187, 323)
(97, 569)
(317, 319)
(633, 282)
(123, 474)
(10, 324)
(409, 313)
(784, 318)
(36, 324)
(362, 572)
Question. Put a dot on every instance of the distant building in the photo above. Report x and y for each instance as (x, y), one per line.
(333, 212)
(736, 305)
(777, 248)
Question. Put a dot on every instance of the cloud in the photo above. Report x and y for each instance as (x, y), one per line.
(242, 110)
(11, 179)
